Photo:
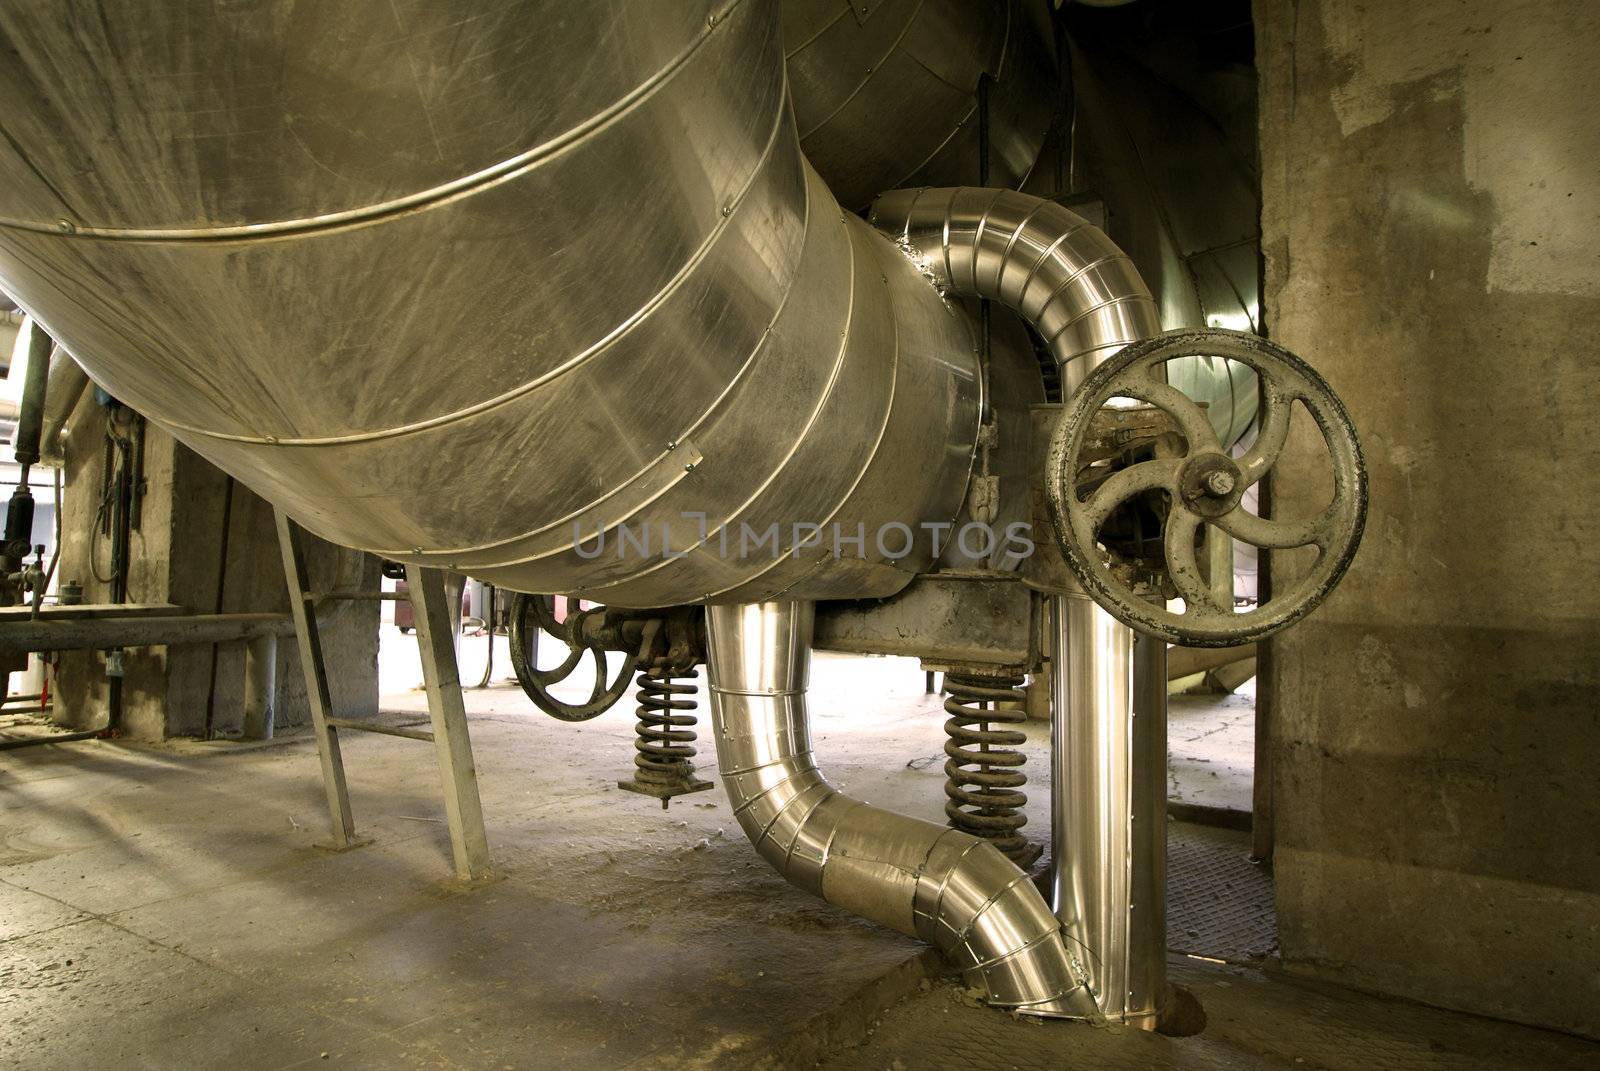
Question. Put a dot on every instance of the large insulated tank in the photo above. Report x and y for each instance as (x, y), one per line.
(460, 291)
(886, 91)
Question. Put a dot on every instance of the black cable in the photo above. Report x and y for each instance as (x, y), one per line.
(122, 535)
(113, 463)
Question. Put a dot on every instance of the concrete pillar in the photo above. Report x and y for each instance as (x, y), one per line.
(184, 553)
(1430, 200)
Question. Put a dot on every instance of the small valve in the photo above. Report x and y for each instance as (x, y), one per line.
(34, 579)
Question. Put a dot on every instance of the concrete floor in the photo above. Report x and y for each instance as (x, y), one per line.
(1211, 742)
(169, 907)
(1255, 1021)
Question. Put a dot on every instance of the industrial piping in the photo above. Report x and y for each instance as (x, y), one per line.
(886, 92)
(663, 318)
(1050, 266)
(951, 889)
(752, 327)
(67, 384)
(1109, 733)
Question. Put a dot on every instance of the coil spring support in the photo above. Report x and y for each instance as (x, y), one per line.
(664, 735)
(983, 766)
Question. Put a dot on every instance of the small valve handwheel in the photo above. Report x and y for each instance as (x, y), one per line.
(1204, 486)
(537, 612)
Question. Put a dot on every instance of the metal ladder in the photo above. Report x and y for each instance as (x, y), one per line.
(435, 638)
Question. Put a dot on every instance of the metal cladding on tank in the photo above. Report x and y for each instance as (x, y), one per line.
(336, 252)
(886, 91)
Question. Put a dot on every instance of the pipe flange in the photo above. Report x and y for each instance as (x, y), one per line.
(1205, 488)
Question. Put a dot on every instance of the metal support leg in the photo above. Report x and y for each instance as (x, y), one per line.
(436, 638)
(305, 631)
(1147, 921)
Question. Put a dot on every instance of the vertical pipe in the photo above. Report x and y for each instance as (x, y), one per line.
(62, 394)
(1108, 830)
(260, 686)
(455, 591)
(25, 449)
(121, 536)
(1091, 791)
(1087, 301)
(30, 420)
(985, 315)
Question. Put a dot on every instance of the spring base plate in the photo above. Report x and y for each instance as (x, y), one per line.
(665, 790)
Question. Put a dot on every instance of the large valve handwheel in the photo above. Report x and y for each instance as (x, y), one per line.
(532, 614)
(1204, 486)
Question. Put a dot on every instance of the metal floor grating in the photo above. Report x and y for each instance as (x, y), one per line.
(1219, 903)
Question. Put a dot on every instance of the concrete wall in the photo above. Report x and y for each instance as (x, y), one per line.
(178, 557)
(1431, 223)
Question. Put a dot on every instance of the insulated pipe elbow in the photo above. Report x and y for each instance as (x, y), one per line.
(66, 385)
(955, 891)
(1087, 300)
(1055, 269)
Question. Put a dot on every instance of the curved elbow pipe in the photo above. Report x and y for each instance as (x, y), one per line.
(1086, 299)
(955, 891)
(1056, 270)
(67, 383)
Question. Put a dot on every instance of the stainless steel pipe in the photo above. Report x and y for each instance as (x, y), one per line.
(1045, 263)
(260, 687)
(455, 290)
(101, 633)
(61, 397)
(886, 92)
(953, 890)
(1108, 822)
(1108, 806)
(464, 292)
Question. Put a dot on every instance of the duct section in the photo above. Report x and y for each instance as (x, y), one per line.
(886, 91)
(949, 888)
(1053, 268)
(462, 292)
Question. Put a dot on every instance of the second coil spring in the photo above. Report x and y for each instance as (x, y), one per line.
(983, 776)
